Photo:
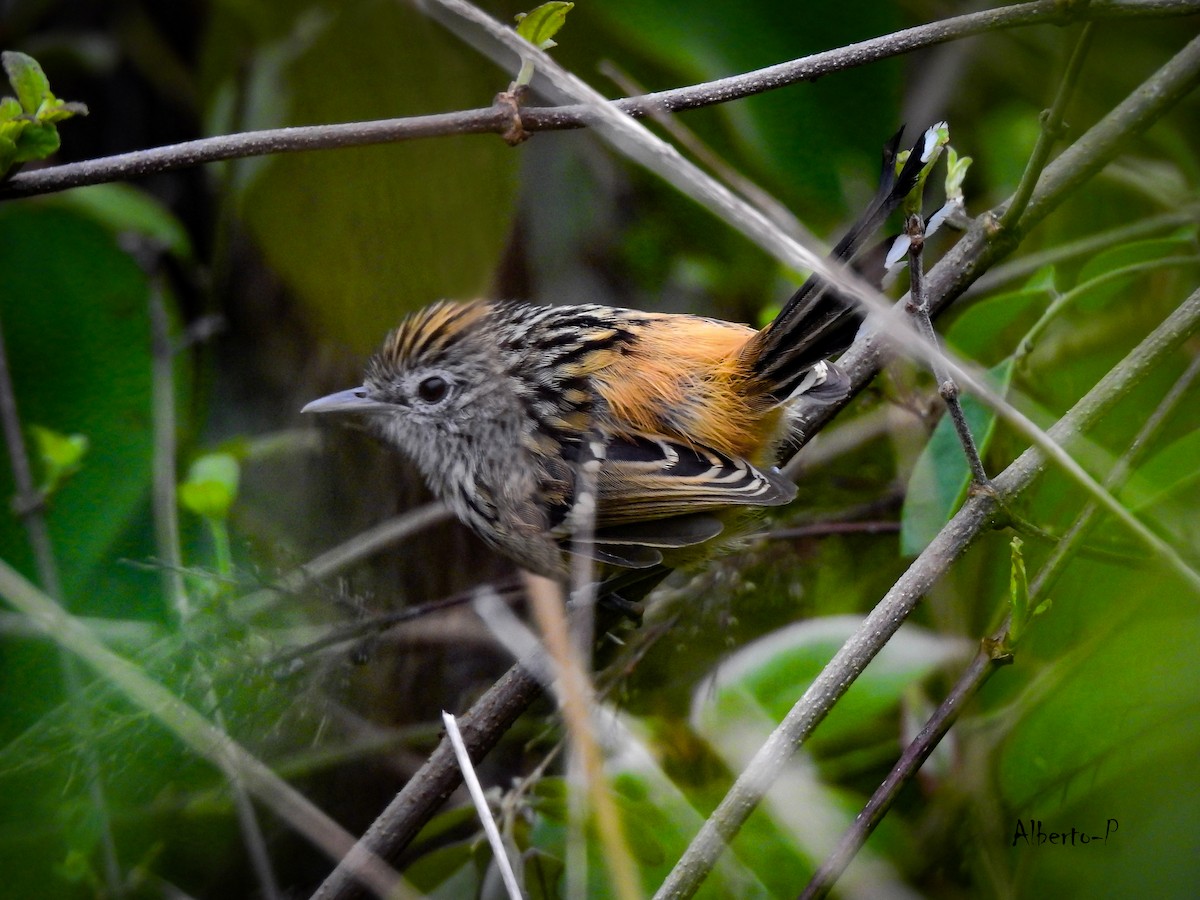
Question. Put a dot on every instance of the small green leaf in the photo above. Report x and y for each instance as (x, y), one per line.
(37, 141)
(956, 173)
(539, 25)
(53, 110)
(1018, 590)
(10, 108)
(61, 456)
(27, 79)
(211, 486)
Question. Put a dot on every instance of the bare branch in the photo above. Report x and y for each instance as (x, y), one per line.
(194, 731)
(991, 656)
(887, 616)
(918, 307)
(399, 823)
(498, 119)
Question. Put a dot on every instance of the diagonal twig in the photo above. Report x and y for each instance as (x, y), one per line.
(498, 119)
(992, 654)
(883, 621)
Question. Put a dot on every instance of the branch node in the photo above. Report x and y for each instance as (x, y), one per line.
(510, 103)
(1070, 10)
(997, 651)
(27, 503)
(985, 488)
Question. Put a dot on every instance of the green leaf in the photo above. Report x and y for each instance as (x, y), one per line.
(1102, 710)
(455, 216)
(10, 108)
(211, 486)
(37, 141)
(1170, 470)
(61, 456)
(940, 479)
(74, 306)
(123, 208)
(539, 25)
(761, 682)
(989, 329)
(27, 78)
(1018, 591)
(54, 111)
(1181, 243)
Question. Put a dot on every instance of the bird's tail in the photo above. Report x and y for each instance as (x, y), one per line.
(819, 321)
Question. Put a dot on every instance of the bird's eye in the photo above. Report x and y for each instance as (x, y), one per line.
(433, 389)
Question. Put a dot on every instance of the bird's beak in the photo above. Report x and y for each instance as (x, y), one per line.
(354, 400)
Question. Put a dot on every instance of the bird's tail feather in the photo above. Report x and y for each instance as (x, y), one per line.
(818, 321)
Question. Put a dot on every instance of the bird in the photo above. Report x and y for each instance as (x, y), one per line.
(643, 440)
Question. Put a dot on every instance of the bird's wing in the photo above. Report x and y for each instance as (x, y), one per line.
(638, 495)
(642, 479)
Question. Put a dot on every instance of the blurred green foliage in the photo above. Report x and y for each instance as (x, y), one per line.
(282, 272)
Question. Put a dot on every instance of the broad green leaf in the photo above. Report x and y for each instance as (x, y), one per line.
(1166, 472)
(27, 79)
(362, 236)
(800, 138)
(73, 305)
(761, 682)
(1101, 710)
(989, 329)
(122, 208)
(941, 477)
(1181, 243)
(538, 26)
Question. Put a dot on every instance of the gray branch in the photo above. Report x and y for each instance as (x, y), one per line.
(498, 119)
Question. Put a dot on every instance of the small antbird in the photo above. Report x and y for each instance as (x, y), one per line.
(653, 434)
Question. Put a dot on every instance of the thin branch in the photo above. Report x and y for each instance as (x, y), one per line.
(1168, 85)
(825, 529)
(992, 654)
(196, 732)
(1051, 121)
(887, 616)
(915, 754)
(499, 851)
(918, 308)
(166, 531)
(376, 625)
(416, 803)
(1089, 246)
(498, 119)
